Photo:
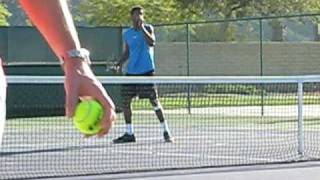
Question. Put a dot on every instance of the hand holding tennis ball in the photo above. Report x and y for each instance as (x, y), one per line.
(54, 21)
(87, 117)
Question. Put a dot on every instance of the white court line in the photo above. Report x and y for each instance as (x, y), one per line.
(98, 141)
(141, 152)
(245, 111)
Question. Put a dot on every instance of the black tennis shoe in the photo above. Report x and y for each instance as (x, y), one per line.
(167, 137)
(126, 138)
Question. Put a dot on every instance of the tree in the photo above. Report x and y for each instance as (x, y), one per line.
(227, 9)
(116, 12)
(4, 15)
(15, 16)
(278, 7)
(244, 8)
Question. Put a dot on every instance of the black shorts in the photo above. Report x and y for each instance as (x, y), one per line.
(129, 91)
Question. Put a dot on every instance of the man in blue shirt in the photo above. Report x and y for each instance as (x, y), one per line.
(139, 49)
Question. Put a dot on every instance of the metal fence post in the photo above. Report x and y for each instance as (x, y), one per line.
(261, 64)
(300, 120)
(188, 66)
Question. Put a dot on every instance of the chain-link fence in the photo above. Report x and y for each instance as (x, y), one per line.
(287, 45)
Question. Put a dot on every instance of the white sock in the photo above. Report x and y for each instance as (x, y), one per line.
(129, 129)
(165, 127)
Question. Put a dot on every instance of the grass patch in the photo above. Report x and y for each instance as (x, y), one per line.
(223, 101)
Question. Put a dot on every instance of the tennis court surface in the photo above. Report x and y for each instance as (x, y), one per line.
(294, 171)
(227, 125)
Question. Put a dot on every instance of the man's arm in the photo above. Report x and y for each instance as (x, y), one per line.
(148, 33)
(54, 21)
(123, 59)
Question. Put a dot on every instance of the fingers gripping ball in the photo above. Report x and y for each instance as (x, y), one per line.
(87, 117)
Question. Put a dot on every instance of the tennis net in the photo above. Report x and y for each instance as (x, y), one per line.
(216, 121)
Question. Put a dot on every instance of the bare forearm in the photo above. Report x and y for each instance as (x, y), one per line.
(46, 15)
(148, 36)
(123, 58)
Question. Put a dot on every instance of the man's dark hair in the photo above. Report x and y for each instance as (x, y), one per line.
(135, 8)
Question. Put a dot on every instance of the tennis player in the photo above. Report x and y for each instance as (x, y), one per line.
(54, 21)
(3, 86)
(139, 47)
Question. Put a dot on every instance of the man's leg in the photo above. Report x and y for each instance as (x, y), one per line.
(128, 95)
(127, 112)
(154, 100)
(157, 109)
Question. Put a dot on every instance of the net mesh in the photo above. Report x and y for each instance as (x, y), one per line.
(216, 121)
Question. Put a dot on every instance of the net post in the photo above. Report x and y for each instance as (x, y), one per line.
(300, 120)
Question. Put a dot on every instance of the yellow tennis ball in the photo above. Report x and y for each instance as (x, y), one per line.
(87, 117)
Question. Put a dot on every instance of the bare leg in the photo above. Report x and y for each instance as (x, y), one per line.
(158, 109)
(164, 125)
(127, 112)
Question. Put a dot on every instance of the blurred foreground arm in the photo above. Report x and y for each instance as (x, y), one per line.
(54, 21)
